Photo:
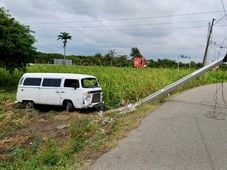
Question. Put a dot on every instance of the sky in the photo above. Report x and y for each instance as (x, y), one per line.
(159, 28)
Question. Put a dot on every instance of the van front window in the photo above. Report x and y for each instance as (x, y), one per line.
(89, 83)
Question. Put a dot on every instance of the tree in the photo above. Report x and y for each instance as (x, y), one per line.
(111, 53)
(98, 58)
(120, 61)
(107, 59)
(16, 42)
(135, 52)
(64, 36)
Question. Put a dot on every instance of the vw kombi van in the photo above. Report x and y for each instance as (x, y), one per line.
(60, 89)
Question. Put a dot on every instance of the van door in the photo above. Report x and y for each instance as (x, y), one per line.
(71, 91)
(50, 91)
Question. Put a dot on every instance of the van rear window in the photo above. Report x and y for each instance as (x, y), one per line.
(51, 82)
(32, 82)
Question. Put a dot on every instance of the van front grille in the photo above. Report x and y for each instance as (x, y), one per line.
(96, 97)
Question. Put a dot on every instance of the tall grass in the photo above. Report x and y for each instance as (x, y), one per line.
(120, 85)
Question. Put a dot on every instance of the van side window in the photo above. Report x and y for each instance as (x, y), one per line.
(71, 83)
(51, 82)
(32, 82)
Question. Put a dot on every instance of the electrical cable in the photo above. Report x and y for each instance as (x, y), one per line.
(131, 25)
(132, 18)
(215, 114)
(129, 29)
(219, 20)
(222, 88)
(223, 7)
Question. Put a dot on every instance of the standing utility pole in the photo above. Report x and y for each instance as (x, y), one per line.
(112, 53)
(208, 42)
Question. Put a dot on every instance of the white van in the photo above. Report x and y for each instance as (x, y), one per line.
(60, 89)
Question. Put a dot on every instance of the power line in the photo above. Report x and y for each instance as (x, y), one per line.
(225, 15)
(132, 18)
(219, 20)
(129, 29)
(129, 25)
(223, 8)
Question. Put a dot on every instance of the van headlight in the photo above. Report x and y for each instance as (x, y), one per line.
(88, 97)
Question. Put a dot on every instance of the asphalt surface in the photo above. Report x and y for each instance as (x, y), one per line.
(187, 132)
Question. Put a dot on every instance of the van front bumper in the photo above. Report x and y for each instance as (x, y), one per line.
(92, 105)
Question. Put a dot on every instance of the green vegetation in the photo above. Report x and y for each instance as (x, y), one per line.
(135, 52)
(120, 85)
(16, 42)
(109, 60)
(32, 140)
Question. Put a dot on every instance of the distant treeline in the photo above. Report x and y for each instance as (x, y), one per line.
(109, 60)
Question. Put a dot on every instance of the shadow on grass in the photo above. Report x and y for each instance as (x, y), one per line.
(58, 109)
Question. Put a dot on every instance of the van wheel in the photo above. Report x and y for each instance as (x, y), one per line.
(29, 105)
(69, 106)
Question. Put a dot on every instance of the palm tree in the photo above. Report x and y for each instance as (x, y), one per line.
(64, 36)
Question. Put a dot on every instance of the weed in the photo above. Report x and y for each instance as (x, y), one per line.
(80, 132)
(49, 155)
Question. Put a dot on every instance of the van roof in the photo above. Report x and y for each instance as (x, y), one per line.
(58, 75)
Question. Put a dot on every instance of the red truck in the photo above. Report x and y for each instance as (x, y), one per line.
(139, 62)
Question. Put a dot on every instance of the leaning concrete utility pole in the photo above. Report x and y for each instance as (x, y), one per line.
(208, 42)
(171, 87)
(182, 81)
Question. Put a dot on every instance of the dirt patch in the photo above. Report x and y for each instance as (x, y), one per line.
(42, 125)
(7, 144)
(5, 157)
(42, 130)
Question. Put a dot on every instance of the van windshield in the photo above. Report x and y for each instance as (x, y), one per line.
(89, 83)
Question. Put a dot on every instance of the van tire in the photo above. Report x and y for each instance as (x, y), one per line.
(29, 105)
(69, 106)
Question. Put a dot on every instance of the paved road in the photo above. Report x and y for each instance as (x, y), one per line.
(183, 133)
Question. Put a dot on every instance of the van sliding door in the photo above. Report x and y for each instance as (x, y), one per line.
(50, 91)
